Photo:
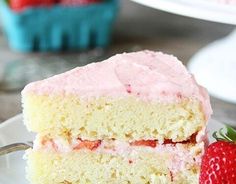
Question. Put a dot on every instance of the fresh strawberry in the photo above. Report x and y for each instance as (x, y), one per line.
(91, 145)
(219, 161)
(150, 143)
(20, 5)
(78, 2)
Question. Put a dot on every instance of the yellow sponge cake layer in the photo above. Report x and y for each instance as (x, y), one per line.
(112, 118)
(91, 167)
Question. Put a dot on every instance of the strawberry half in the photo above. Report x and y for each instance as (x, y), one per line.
(219, 161)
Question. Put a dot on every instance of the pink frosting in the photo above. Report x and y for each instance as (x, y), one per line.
(146, 75)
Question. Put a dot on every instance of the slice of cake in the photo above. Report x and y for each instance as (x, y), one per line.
(136, 118)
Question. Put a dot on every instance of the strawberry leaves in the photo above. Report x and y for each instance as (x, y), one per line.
(225, 134)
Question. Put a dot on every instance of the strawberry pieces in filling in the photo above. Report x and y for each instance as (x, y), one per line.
(150, 143)
(91, 145)
(153, 143)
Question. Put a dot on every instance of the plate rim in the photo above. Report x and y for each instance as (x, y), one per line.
(9, 121)
(200, 9)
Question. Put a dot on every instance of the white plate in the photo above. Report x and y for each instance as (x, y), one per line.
(201, 9)
(217, 58)
(12, 166)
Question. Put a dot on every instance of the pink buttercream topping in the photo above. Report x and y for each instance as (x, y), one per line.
(147, 75)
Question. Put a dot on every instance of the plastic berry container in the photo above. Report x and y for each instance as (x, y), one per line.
(59, 27)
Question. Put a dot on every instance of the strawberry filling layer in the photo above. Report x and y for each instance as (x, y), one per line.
(181, 155)
(77, 144)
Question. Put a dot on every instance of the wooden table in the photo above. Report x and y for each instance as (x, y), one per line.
(137, 28)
